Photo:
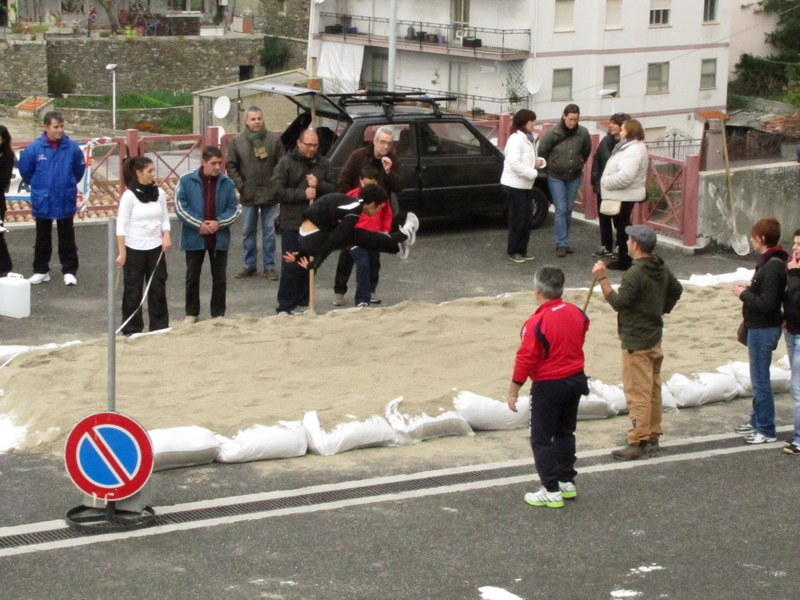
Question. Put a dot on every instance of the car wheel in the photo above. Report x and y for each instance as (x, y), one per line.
(541, 206)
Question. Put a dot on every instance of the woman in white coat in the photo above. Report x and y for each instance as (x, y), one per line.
(624, 180)
(519, 173)
(142, 238)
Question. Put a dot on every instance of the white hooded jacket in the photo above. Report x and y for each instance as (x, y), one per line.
(519, 167)
(625, 175)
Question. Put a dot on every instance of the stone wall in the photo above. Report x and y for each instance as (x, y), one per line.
(147, 120)
(24, 67)
(291, 23)
(759, 192)
(149, 64)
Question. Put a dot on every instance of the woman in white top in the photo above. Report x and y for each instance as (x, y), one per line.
(519, 173)
(142, 237)
(625, 179)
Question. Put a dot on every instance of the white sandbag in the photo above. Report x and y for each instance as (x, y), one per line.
(779, 377)
(259, 442)
(668, 401)
(415, 429)
(594, 407)
(486, 414)
(375, 431)
(704, 388)
(612, 394)
(183, 447)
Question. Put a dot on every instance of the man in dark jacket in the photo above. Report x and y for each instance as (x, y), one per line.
(566, 148)
(251, 158)
(206, 205)
(378, 154)
(601, 156)
(53, 165)
(647, 292)
(300, 177)
(791, 312)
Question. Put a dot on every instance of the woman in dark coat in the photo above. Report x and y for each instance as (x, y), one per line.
(6, 168)
(599, 161)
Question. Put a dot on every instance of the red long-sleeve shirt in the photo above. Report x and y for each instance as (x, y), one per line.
(551, 343)
(380, 221)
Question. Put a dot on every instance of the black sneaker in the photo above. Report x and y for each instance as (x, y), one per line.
(791, 449)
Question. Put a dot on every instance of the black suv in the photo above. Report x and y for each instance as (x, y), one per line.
(450, 168)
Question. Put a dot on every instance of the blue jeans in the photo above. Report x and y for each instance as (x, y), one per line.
(760, 345)
(250, 218)
(361, 259)
(793, 349)
(563, 193)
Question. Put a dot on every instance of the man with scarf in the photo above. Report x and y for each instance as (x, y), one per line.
(206, 205)
(301, 177)
(53, 165)
(566, 148)
(251, 159)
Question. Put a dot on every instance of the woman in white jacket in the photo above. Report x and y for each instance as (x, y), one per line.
(142, 237)
(519, 173)
(624, 180)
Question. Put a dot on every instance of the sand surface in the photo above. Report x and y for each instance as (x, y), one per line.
(229, 374)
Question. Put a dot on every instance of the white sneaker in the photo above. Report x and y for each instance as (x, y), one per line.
(568, 489)
(759, 438)
(409, 228)
(545, 498)
(39, 278)
(338, 299)
(70, 279)
(403, 253)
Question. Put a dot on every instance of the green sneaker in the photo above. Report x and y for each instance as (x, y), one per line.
(568, 489)
(545, 498)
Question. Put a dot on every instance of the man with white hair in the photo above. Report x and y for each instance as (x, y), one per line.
(378, 154)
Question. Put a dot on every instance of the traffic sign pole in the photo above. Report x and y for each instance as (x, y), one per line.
(112, 330)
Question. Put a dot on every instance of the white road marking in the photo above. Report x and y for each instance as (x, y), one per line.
(437, 491)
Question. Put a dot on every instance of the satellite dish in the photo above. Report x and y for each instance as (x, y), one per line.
(318, 1)
(221, 132)
(534, 84)
(222, 106)
(608, 92)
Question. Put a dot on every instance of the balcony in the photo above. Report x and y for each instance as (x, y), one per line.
(436, 38)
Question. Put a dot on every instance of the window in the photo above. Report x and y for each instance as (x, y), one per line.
(708, 74)
(613, 14)
(562, 84)
(659, 12)
(657, 78)
(565, 15)
(710, 10)
(460, 14)
(448, 139)
(611, 78)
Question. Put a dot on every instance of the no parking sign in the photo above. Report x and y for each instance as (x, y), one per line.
(109, 456)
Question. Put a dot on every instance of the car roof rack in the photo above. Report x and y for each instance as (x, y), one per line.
(387, 100)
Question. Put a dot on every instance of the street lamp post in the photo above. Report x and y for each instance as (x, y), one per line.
(113, 69)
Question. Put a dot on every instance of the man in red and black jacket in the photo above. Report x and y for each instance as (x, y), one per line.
(551, 355)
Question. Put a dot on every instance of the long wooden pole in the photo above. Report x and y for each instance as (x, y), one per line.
(589, 295)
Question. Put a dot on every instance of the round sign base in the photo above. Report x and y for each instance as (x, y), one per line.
(108, 520)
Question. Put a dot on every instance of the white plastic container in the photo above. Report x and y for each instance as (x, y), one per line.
(15, 296)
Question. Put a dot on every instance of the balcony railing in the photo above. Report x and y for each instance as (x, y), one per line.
(479, 107)
(426, 36)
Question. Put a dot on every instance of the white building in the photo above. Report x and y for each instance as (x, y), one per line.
(667, 59)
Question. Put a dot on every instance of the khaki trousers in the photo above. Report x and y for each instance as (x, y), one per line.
(641, 380)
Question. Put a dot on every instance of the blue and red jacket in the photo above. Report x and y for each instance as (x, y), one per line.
(53, 174)
(551, 343)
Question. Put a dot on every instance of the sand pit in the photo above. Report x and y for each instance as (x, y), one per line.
(229, 374)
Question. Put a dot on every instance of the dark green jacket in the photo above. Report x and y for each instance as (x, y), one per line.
(290, 184)
(648, 291)
(565, 159)
(253, 175)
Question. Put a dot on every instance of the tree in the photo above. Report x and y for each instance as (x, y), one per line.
(112, 10)
(274, 53)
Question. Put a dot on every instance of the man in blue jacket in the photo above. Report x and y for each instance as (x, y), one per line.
(206, 204)
(53, 165)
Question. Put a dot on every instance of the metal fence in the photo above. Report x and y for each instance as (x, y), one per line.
(470, 105)
(425, 34)
(677, 148)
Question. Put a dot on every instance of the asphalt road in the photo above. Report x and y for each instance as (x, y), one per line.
(719, 526)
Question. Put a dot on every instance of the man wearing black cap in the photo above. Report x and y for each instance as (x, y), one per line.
(647, 292)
